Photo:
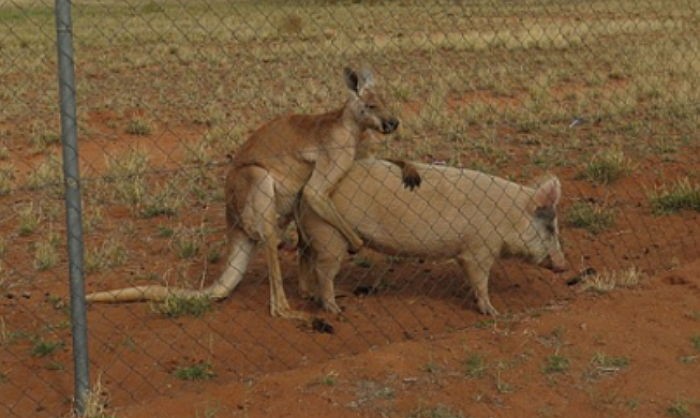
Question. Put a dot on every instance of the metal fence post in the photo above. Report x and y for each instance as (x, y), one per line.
(66, 85)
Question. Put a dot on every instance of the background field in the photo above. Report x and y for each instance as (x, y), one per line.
(605, 94)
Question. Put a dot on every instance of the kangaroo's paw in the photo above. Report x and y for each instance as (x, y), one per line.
(331, 306)
(486, 308)
(288, 313)
(410, 177)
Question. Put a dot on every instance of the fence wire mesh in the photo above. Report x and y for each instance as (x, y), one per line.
(604, 94)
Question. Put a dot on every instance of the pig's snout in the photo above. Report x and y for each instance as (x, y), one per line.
(556, 262)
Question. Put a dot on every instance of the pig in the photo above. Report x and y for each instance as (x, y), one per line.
(456, 213)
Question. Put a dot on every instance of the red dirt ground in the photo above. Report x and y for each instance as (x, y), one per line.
(402, 352)
(651, 326)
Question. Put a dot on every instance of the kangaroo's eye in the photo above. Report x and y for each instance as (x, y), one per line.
(371, 106)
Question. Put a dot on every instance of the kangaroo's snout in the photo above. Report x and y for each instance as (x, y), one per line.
(389, 125)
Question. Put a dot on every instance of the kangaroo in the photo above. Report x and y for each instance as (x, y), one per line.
(462, 214)
(291, 156)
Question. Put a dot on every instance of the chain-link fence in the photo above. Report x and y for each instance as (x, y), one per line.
(604, 94)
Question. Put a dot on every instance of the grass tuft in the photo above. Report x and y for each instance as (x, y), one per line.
(475, 366)
(605, 361)
(126, 177)
(606, 167)
(45, 255)
(6, 179)
(110, 254)
(47, 175)
(438, 411)
(670, 199)
(328, 379)
(43, 348)
(139, 127)
(607, 281)
(678, 409)
(556, 364)
(197, 371)
(175, 306)
(151, 7)
(96, 402)
(591, 217)
(29, 219)
(695, 341)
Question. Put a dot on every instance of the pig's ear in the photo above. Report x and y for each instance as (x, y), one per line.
(548, 193)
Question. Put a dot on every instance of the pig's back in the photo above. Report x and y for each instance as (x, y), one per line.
(451, 209)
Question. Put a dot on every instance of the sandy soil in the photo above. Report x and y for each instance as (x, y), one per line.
(650, 326)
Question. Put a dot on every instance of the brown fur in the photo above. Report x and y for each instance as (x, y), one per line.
(462, 214)
(290, 156)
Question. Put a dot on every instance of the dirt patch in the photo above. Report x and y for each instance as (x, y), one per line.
(623, 359)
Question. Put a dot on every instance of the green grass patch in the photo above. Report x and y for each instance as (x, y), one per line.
(606, 167)
(328, 379)
(556, 364)
(45, 255)
(605, 361)
(43, 140)
(475, 366)
(197, 371)
(151, 7)
(47, 175)
(138, 127)
(688, 359)
(591, 217)
(29, 219)
(165, 231)
(186, 247)
(6, 178)
(9, 15)
(55, 366)
(110, 254)
(438, 411)
(679, 409)
(695, 341)
(176, 306)
(43, 348)
(670, 199)
(485, 323)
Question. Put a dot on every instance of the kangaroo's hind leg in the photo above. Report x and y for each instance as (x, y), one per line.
(320, 260)
(253, 200)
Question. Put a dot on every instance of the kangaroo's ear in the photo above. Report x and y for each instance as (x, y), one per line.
(548, 193)
(351, 79)
(366, 79)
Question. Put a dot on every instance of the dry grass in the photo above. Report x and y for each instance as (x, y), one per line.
(683, 194)
(548, 89)
(591, 217)
(171, 96)
(167, 89)
(95, 402)
(609, 280)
